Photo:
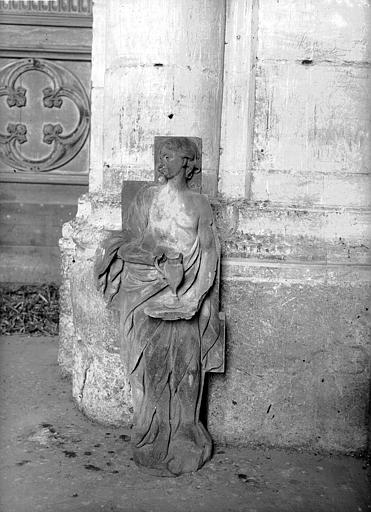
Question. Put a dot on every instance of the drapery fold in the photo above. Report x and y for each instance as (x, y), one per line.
(160, 354)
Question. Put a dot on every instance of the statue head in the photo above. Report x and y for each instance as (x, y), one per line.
(185, 151)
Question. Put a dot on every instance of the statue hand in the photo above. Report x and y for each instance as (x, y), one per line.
(159, 262)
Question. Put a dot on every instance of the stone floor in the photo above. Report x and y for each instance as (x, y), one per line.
(54, 459)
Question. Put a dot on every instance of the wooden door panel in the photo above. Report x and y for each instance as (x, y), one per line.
(34, 193)
(45, 117)
(35, 234)
(45, 69)
(31, 217)
(15, 38)
(29, 264)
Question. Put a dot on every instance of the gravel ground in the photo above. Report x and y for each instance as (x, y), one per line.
(29, 309)
(54, 459)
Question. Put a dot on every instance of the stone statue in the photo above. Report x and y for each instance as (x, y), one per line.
(162, 273)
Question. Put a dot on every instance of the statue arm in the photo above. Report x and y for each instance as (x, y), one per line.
(210, 251)
(143, 250)
(135, 252)
(108, 267)
(139, 246)
(123, 246)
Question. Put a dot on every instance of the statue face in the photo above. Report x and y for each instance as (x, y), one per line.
(171, 163)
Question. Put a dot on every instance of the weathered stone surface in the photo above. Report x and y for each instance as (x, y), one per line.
(335, 30)
(266, 230)
(320, 303)
(89, 345)
(259, 229)
(100, 385)
(310, 135)
(164, 80)
(67, 335)
(293, 218)
(298, 357)
(238, 109)
(267, 364)
(312, 118)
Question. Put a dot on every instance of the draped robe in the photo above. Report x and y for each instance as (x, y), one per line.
(165, 358)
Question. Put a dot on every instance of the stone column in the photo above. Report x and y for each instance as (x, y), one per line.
(292, 207)
(156, 70)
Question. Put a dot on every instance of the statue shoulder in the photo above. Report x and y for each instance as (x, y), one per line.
(146, 192)
(201, 204)
(143, 197)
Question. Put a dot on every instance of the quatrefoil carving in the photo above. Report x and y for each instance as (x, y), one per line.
(52, 98)
(16, 132)
(65, 146)
(16, 97)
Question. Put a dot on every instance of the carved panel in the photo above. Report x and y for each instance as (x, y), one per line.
(53, 138)
(76, 13)
(47, 6)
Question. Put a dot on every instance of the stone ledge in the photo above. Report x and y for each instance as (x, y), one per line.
(309, 273)
(263, 230)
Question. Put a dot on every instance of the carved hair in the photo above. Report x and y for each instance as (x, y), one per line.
(188, 149)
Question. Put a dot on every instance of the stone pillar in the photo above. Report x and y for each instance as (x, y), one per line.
(292, 206)
(162, 75)
(156, 70)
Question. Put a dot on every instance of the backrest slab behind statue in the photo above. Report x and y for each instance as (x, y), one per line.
(162, 274)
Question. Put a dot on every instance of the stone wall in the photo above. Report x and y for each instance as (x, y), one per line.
(289, 194)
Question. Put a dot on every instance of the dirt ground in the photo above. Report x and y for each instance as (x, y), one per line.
(53, 459)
